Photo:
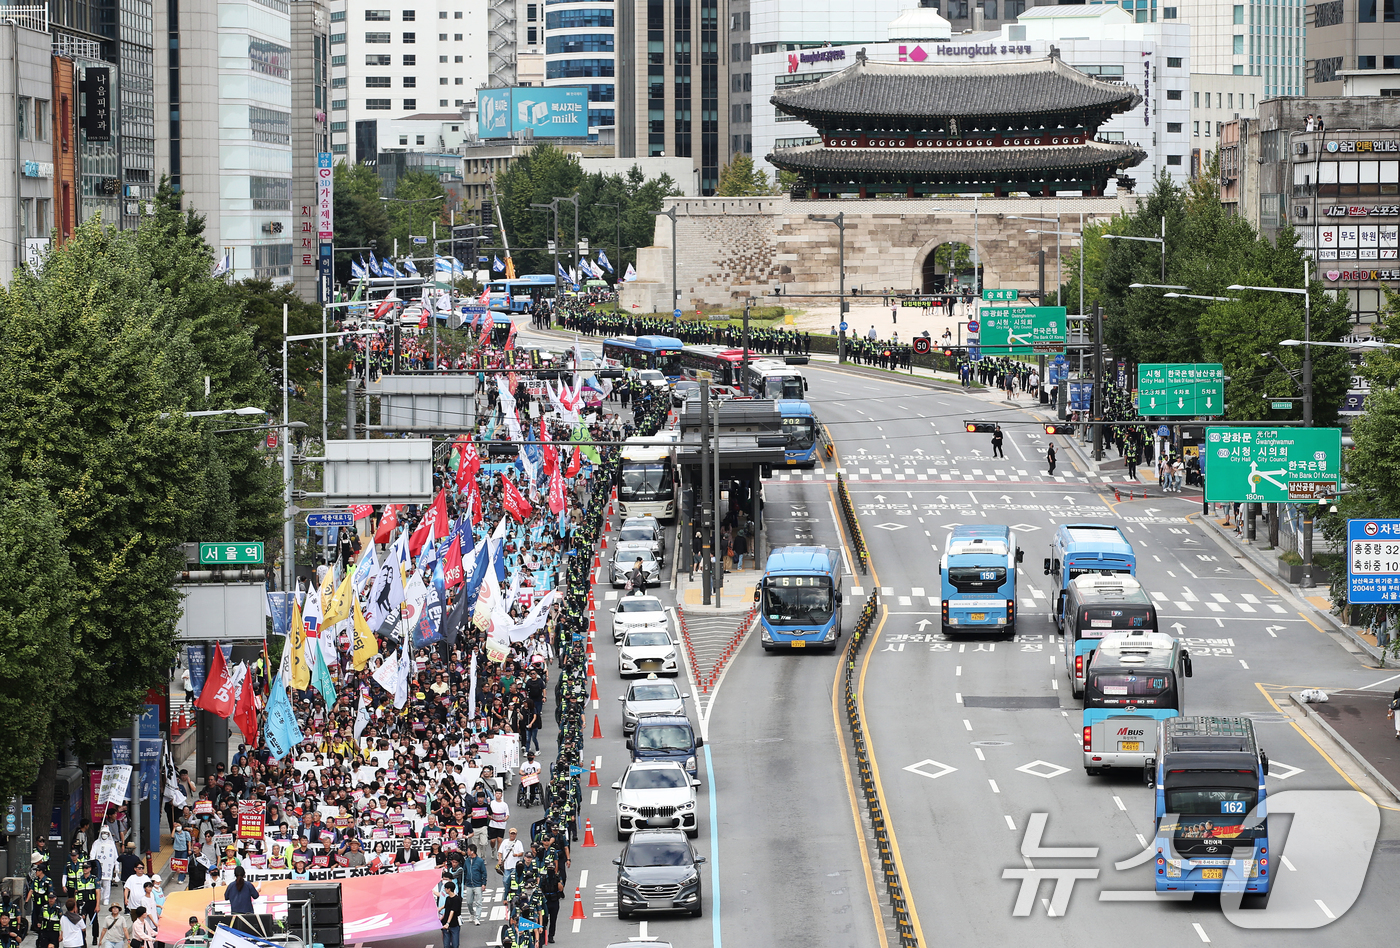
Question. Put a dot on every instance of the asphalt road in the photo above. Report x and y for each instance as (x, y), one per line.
(963, 779)
(973, 791)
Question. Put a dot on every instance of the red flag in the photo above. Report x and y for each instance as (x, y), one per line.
(452, 563)
(510, 336)
(468, 463)
(423, 319)
(516, 505)
(387, 524)
(556, 492)
(385, 306)
(551, 459)
(361, 511)
(474, 501)
(245, 714)
(575, 462)
(216, 696)
(433, 520)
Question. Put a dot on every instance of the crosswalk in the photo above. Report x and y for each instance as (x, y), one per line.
(1008, 475)
(1183, 601)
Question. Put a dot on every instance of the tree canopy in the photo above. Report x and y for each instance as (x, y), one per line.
(740, 178)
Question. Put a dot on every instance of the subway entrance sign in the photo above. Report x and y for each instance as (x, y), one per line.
(1023, 330)
(1271, 465)
(1181, 389)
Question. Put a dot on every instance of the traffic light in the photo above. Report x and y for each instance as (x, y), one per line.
(975, 427)
(1060, 429)
(948, 353)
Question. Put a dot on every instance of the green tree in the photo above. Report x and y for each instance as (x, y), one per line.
(94, 378)
(740, 178)
(360, 217)
(36, 661)
(417, 204)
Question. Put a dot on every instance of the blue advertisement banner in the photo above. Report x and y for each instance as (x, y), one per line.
(555, 112)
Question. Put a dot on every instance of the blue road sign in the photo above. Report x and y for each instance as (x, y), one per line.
(1163, 431)
(845, 325)
(974, 353)
(676, 314)
(974, 326)
(1373, 561)
(338, 519)
(1061, 360)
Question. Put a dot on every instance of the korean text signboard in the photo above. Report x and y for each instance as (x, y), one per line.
(1024, 330)
(1181, 389)
(1271, 465)
(1373, 561)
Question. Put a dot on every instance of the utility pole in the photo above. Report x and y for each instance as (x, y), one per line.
(714, 526)
(744, 365)
(702, 502)
(1097, 402)
(1307, 414)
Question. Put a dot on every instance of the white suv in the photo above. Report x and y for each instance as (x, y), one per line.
(656, 794)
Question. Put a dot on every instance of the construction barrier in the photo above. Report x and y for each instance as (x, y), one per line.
(848, 513)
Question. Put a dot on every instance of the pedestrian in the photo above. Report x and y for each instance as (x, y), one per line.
(451, 916)
(508, 855)
(996, 442)
(114, 931)
(894, 314)
(1050, 459)
(240, 893)
(72, 928)
(697, 549)
(1395, 706)
(143, 927)
(473, 881)
(180, 842)
(741, 547)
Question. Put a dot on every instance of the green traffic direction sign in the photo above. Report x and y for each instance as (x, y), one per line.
(1181, 389)
(1271, 465)
(1023, 330)
(230, 554)
(1001, 296)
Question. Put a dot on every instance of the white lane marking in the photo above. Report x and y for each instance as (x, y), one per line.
(593, 798)
(1010, 824)
(995, 788)
(1052, 662)
(917, 591)
(583, 879)
(1141, 841)
(1243, 664)
(1118, 800)
(980, 755)
(959, 671)
(1325, 910)
(967, 724)
(1201, 931)
(1288, 864)
(958, 695)
(1251, 598)
(1054, 684)
(1220, 597)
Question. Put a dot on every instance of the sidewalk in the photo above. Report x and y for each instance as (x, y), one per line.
(735, 595)
(1357, 721)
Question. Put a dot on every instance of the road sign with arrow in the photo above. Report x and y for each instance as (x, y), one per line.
(1181, 389)
(1271, 465)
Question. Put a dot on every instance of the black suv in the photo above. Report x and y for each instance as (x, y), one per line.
(658, 871)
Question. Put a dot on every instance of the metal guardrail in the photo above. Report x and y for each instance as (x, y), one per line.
(848, 511)
(894, 886)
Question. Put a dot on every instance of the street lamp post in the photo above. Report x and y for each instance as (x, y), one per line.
(840, 221)
(553, 208)
(1147, 240)
(288, 534)
(675, 289)
(617, 277)
(1307, 389)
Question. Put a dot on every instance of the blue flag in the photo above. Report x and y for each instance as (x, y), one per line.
(564, 274)
(280, 730)
(373, 265)
(480, 557)
(357, 270)
(321, 675)
(603, 259)
(410, 266)
(497, 265)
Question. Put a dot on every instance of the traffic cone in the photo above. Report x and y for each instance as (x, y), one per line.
(591, 672)
(578, 906)
(1115, 494)
(593, 765)
(597, 728)
(592, 623)
(607, 528)
(591, 652)
(588, 835)
(597, 561)
(593, 696)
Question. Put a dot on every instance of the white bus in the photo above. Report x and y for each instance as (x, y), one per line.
(647, 480)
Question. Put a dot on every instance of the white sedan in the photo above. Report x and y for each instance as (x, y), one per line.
(656, 794)
(647, 650)
(637, 612)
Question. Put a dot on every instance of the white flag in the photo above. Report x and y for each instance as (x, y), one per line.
(116, 784)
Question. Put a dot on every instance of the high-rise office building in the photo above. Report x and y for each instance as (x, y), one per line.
(670, 100)
(1361, 38)
(310, 127)
(579, 50)
(409, 63)
(226, 107)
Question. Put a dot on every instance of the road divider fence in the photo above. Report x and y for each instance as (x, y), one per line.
(848, 513)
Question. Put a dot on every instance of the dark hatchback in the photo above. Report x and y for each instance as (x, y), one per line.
(658, 871)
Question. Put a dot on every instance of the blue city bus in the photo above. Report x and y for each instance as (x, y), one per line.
(1212, 812)
(1135, 680)
(518, 295)
(799, 432)
(662, 353)
(978, 578)
(799, 598)
(1079, 548)
(1098, 605)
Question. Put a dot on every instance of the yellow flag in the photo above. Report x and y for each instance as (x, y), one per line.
(364, 645)
(296, 641)
(337, 608)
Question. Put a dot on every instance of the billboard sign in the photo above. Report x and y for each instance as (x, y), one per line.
(558, 112)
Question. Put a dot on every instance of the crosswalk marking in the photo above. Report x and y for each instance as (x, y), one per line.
(1220, 597)
(1160, 597)
(1251, 598)
(1276, 607)
(917, 591)
(1215, 607)
(1033, 598)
